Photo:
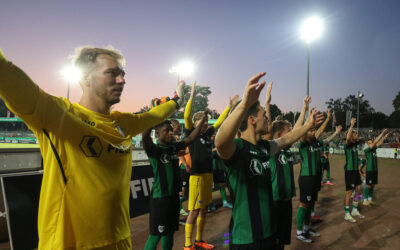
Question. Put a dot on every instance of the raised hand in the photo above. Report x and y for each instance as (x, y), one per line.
(278, 118)
(268, 96)
(193, 92)
(179, 92)
(253, 90)
(353, 121)
(329, 114)
(306, 101)
(338, 129)
(315, 118)
(233, 101)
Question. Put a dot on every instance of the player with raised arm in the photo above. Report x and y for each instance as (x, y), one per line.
(320, 144)
(86, 150)
(246, 161)
(282, 177)
(372, 166)
(164, 198)
(201, 177)
(352, 175)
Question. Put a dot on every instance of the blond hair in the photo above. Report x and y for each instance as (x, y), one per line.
(279, 126)
(199, 115)
(85, 57)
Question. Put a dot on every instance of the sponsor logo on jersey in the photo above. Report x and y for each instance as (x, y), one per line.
(202, 141)
(254, 167)
(91, 123)
(200, 202)
(165, 158)
(308, 198)
(122, 149)
(312, 149)
(282, 159)
(91, 146)
(161, 228)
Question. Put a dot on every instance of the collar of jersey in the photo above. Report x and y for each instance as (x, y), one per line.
(99, 116)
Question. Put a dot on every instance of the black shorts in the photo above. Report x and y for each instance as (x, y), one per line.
(185, 178)
(371, 177)
(219, 176)
(284, 221)
(318, 180)
(164, 215)
(352, 179)
(268, 243)
(326, 165)
(308, 190)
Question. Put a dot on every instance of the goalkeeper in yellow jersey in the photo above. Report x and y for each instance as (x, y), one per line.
(86, 149)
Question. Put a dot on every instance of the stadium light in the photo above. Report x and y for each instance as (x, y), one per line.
(71, 75)
(184, 68)
(310, 30)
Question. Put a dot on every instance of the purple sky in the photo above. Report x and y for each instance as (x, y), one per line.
(229, 41)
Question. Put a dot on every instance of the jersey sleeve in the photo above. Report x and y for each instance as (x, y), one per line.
(134, 124)
(151, 152)
(221, 118)
(236, 157)
(24, 98)
(188, 115)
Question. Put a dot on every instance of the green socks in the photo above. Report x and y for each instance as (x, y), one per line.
(152, 242)
(180, 202)
(301, 212)
(347, 209)
(167, 241)
(328, 175)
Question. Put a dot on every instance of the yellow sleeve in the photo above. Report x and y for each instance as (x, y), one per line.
(23, 97)
(188, 115)
(221, 118)
(138, 123)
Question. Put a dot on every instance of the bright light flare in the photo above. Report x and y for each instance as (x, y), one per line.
(185, 68)
(311, 29)
(71, 74)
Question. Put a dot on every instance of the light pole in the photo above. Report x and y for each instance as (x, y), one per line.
(310, 30)
(359, 96)
(71, 75)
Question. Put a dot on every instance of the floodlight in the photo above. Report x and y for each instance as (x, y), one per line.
(311, 29)
(71, 74)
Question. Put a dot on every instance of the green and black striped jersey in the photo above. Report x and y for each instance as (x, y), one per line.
(372, 160)
(310, 158)
(282, 178)
(165, 163)
(250, 184)
(351, 157)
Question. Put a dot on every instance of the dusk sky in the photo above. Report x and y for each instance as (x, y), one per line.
(229, 41)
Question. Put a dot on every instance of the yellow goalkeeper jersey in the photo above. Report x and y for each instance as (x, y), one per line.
(87, 161)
